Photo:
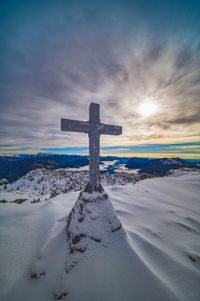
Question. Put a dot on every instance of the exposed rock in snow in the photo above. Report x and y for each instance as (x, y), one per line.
(3, 181)
(92, 222)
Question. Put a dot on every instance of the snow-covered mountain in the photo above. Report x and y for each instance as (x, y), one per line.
(44, 183)
(160, 167)
(150, 250)
(14, 167)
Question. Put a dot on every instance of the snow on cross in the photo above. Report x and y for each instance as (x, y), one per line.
(94, 128)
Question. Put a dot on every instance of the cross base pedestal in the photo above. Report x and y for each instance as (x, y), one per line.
(90, 189)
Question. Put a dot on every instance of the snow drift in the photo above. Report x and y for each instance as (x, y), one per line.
(157, 259)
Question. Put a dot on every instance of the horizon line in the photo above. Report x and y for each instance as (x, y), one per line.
(121, 155)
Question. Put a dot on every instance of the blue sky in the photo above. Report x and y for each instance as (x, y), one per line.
(184, 150)
(58, 56)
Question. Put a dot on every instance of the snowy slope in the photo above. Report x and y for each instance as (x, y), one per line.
(158, 259)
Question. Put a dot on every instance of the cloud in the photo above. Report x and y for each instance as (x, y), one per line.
(58, 57)
(188, 147)
(195, 118)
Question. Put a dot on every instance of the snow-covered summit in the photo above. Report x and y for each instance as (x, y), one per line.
(158, 259)
(91, 223)
(160, 167)
(44, 154)
(171, 161)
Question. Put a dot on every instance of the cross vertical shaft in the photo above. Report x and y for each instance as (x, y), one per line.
(94, 146)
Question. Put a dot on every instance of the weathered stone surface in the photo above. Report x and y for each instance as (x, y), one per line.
(91, 223)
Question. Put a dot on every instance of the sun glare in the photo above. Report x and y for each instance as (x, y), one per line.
(147, 108)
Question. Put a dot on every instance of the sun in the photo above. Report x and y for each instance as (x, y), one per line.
(147, 108)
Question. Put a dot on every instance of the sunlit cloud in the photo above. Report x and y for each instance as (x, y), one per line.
(155, 155)
(147, 109)
(58, 57)
(190, 147)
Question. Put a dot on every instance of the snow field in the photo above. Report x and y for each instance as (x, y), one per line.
(158, 259)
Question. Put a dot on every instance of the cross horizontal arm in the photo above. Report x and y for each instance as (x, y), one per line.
(107, 129)
(74, 126)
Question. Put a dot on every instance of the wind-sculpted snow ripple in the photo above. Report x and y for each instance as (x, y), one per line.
(162, 220)
(157, 259)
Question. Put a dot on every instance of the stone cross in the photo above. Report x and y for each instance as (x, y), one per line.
(94, 128)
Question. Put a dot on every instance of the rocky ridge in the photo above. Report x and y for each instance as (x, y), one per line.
(48, 183)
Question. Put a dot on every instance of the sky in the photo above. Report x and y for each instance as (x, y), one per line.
(140, 60)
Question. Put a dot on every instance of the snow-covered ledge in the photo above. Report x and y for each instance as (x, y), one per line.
(92, 222)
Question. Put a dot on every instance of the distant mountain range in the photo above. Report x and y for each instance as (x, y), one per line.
(136, 163)
(160, 167)
(14, 167)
